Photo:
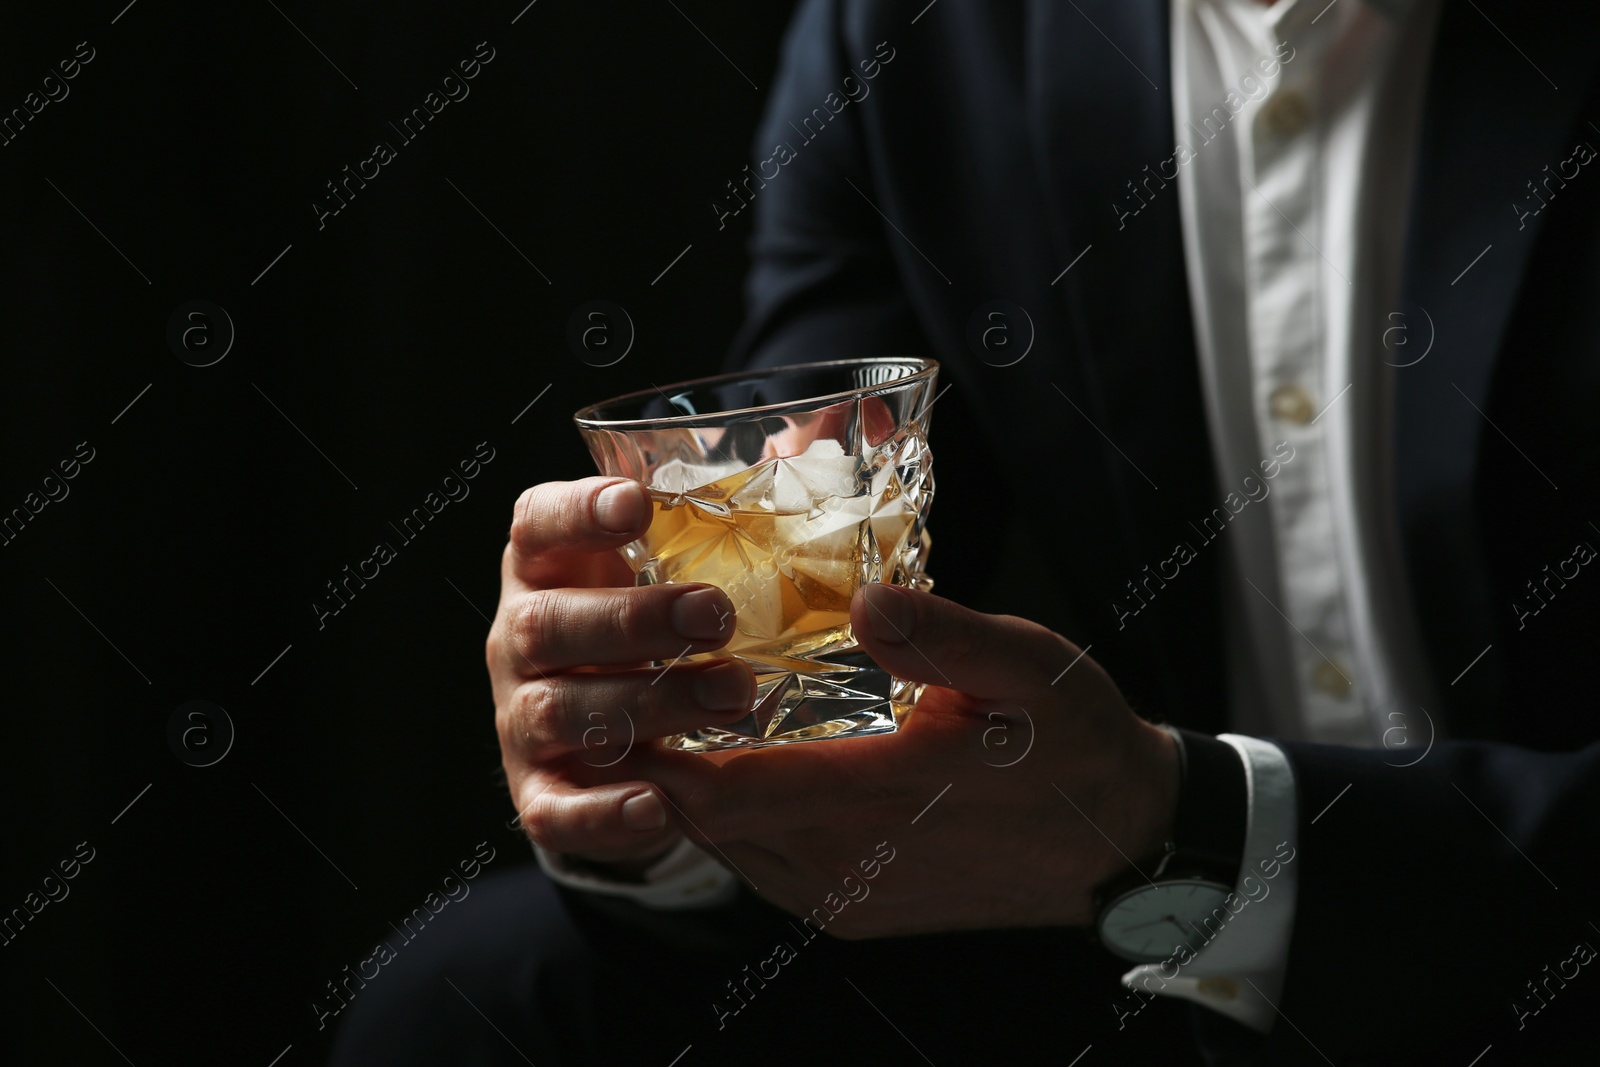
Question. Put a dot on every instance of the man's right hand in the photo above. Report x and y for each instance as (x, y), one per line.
(569, 656)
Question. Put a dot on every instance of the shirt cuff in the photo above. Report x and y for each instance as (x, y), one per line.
(686, 877)
(1239, 972)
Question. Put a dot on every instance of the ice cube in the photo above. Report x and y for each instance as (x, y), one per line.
(801, 483)
(677, 476)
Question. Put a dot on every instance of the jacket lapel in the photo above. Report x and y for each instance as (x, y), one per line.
(1100, 100)
(1493, 120)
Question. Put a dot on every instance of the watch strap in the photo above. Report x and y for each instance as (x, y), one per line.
(1208, 832)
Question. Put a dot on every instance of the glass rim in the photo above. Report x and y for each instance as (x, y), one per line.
(925, 369)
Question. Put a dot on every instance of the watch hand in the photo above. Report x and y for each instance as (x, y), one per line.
(1155, 922)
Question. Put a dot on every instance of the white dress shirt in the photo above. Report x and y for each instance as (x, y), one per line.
(1295, 128)
(1293, 185)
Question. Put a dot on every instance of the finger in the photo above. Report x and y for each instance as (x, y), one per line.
(589, 515)
(607, 712)
(790, 788)
(600, 820)
(547, 630)
(588, 570)
(926, 638)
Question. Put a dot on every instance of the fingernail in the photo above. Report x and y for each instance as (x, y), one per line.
(702, 615)
(892, 613)
(643, 812)
(620, 508)
(725, 687)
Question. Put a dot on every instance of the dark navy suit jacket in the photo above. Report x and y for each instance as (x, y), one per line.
(995, 148)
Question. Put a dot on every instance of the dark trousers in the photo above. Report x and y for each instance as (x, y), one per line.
(520, 972)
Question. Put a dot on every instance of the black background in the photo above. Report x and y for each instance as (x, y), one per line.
(188, 552)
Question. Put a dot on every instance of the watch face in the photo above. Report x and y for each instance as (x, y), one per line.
(1150, 923)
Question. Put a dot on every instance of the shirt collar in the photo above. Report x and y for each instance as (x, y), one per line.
(1283, 13)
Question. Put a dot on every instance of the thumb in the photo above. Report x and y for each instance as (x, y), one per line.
(926, 638)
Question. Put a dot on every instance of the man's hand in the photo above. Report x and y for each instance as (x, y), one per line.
(1015, 840)
(575, 703)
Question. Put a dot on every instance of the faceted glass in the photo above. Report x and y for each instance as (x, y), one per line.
(787, 488)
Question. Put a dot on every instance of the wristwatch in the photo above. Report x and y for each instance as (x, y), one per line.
(1149, 916)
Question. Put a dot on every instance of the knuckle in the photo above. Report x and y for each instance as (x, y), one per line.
(507, 700)
(626, 618)
(546, 713)
(536, 624)
(539, 824)
(566, 513)
(491, 650)
(536, 827)
(549, 514)
(523, 523)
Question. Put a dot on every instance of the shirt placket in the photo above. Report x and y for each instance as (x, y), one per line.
(1280, 164)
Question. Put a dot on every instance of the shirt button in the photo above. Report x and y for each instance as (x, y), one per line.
(1330, 678)
(1286, 114)
(1293, 404)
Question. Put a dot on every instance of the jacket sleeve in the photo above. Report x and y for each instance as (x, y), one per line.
(1445, 904)
(822, 283)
